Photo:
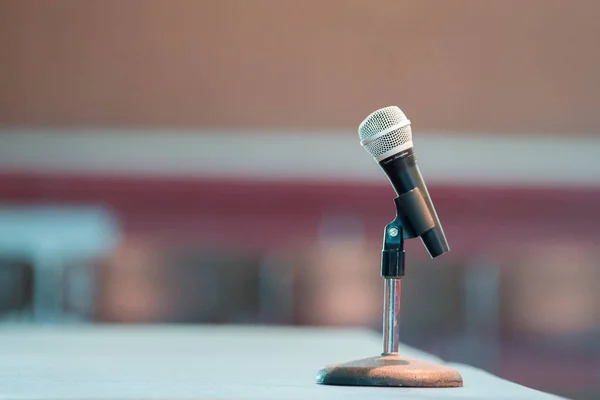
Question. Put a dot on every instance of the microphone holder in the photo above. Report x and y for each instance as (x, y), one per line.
(390, 368)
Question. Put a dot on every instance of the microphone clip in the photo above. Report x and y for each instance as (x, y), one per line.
(413, 219)
(413, 213)
(392, 254)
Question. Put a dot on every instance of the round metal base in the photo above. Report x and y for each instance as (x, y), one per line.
(389, 370)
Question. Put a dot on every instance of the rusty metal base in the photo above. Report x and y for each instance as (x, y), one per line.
(389, 370)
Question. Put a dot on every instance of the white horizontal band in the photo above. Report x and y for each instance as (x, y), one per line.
(395, 150)
(282, 156)
(385, 131)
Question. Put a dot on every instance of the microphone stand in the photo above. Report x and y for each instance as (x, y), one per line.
(392, 271)
(398, 371)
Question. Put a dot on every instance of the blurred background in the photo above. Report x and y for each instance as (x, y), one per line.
(198, 162)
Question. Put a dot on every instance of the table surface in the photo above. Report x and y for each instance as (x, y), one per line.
(205, 362)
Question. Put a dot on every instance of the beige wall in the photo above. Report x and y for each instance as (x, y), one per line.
(509, 66)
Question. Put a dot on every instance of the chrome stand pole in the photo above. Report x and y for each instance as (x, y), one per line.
(391, 315)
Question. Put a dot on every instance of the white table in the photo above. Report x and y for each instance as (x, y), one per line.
(205, 362)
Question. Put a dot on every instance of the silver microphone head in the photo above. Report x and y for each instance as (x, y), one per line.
(385, 132)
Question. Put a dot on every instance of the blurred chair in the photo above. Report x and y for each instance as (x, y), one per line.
(16, 284)
(50, 237)
(480, 344)
(148, 281)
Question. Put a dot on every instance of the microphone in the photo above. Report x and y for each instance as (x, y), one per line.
(387, 136)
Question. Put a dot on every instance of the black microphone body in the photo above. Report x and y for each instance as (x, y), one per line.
(404, 175)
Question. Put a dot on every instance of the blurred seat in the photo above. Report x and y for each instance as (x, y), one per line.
(15, 288)
(49, 238)
(145, 281)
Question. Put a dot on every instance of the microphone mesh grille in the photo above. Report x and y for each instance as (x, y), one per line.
(382, 120)
(390, 140)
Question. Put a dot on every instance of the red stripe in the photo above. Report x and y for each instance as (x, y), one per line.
(262, 214)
